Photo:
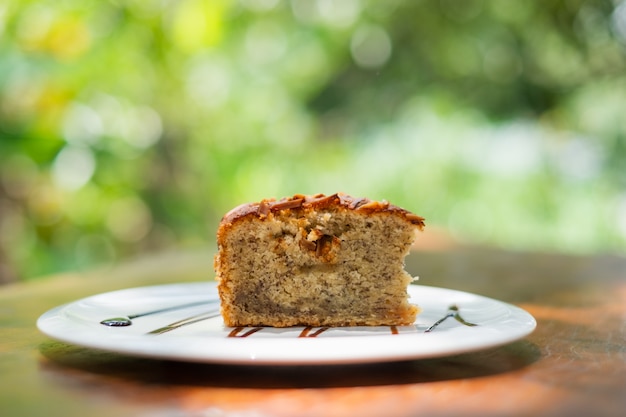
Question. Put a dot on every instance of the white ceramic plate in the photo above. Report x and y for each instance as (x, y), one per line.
(197, 332)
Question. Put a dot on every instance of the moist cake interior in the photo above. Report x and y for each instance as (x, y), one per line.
(325, 266)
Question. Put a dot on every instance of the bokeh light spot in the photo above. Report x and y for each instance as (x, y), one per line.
(129, 219)
(73, 167)
(370, 46)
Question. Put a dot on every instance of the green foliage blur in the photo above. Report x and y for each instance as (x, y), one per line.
(131, 126)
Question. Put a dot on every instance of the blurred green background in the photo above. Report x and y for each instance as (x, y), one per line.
(129, 127)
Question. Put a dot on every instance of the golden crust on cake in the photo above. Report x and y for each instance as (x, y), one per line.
(315, 261)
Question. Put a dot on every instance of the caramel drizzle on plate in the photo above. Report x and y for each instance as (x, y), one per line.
(235, 332)
(305, 332)
(453, 311)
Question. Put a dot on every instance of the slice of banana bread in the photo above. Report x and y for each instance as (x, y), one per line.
(315, 261)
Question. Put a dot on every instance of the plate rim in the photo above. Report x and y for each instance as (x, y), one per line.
(262, 351)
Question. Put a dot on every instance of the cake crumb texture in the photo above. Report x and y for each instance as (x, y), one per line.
(315, 261)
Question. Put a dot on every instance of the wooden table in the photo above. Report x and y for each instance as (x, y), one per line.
(573, 364)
